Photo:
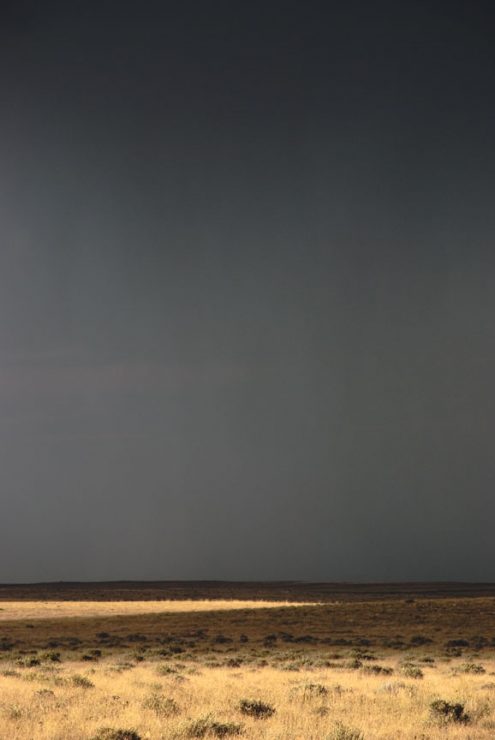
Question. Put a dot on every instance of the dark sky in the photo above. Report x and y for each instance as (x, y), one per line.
(247, 290)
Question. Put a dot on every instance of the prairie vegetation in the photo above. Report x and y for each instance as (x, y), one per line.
(16, 610)
(348, 670)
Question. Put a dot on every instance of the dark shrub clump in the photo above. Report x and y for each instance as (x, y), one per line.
(409, 670)
(208, 726)
(444, 710)
(456, 643)
(257, 709)
(474, 668)
(108, 733)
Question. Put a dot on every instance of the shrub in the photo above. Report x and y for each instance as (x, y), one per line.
(164, 706)
(343, 732)
(224, 729)
(108, 733)
(82, 682)
(48, 693)
(320, 711)
(29, 662)
(123, 665)
(198, 727)
(418, 640)
(474, 668)
(364, 656)
(308, 691)
(208, 726)
(353, 664)
(309, 639)
(51, 655)
(269, 640)
(378, 669)
(311, 690)
(222, 640)
(15, 711)
(452, 712)
(165, 669)
(256, 708)
(409, 670)
(453, 652)
(479, 641)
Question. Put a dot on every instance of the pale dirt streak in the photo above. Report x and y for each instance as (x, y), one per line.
(13, 610)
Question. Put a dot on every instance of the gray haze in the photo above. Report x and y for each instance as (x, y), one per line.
(247, 291)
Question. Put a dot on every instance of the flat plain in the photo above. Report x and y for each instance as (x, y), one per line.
(282, 660)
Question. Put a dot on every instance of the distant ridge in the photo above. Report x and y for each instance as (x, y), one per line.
(249, 590)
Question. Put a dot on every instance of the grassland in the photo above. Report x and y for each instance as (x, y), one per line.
(367, 665)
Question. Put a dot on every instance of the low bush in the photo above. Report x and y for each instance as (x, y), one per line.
(418, 640)
(208, 726)
(343, 732)
(376, 670)
(108, 733)
(308, 691)
(51, 655)
(256, 708)
(409, 670)
(443, 710)
(474, 668)
(82, 682)
(312, 690)
(163, 706)
(352, 664)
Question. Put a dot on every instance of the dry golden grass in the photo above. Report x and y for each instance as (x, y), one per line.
(15, 610)
(46, 704)
(328, 671)
(390, 623)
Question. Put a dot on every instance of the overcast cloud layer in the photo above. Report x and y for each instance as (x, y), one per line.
(247, 290)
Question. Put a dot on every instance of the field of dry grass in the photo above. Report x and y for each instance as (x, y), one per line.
(377, 668)
(21, 610)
